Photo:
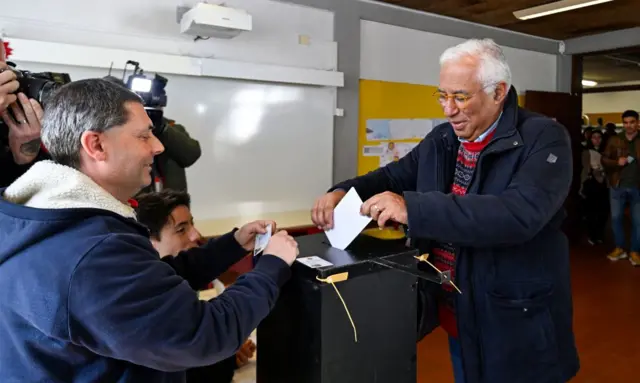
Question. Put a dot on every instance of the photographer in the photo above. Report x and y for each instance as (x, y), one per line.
(20, 144)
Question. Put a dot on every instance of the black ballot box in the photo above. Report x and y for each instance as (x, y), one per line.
(309, 338)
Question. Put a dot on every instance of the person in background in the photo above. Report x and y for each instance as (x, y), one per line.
(483, 194)
(20, 143)
(167, 215)
(180, 152)
(621, 161)
(586, 135)
(609, 131)
(84, 296)
(594, 190)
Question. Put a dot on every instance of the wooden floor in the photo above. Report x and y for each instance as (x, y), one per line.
(606, 317)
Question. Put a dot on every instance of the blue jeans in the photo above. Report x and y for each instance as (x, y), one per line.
(620, 197)
(456, 360)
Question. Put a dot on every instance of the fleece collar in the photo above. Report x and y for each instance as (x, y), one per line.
(48, 185)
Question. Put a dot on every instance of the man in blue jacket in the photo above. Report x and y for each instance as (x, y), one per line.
(483, 194)
(84, 297)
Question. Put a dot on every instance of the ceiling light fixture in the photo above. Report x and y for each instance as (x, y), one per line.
(589, 83)
(555, 7)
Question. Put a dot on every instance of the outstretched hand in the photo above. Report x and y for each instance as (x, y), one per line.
(246, 235)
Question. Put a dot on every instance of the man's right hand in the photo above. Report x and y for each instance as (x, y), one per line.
(622, 161)
(322, 212)
(8, 86)
(283, 246)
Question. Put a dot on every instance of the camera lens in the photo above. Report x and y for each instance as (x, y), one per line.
(46, 91)
(36, 88)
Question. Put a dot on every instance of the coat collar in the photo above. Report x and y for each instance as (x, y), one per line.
(48, 185)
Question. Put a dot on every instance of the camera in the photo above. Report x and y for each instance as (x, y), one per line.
(39, 86)
(151, 91)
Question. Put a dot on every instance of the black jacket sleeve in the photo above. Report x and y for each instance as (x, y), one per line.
(179, 145)
(203, 264)
(536, 193)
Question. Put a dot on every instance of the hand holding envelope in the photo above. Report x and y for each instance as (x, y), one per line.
(348, 222)
(384, 207)
(344, 216)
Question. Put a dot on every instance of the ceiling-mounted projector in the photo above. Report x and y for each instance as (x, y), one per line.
(210, 20)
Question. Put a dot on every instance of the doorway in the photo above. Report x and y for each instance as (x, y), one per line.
(610, 85)
(598, 78)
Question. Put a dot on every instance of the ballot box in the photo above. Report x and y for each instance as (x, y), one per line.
(309, 336)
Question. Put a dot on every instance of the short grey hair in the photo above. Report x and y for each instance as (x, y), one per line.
(493, 65)
(86, 105)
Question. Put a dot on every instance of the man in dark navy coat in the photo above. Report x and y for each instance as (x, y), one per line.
(483, 194)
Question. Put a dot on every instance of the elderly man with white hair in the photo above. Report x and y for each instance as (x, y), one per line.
(483, 195)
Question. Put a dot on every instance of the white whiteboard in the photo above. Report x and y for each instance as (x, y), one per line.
(265, 147)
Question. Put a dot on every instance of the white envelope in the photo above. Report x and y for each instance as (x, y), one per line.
(347, 221)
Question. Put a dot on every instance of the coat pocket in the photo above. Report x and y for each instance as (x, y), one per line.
(519, 330)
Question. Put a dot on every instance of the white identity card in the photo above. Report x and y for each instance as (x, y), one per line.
(314, 262)
(261, 241)
(347, 221)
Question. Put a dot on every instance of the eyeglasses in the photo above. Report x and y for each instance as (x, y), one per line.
(460, 99)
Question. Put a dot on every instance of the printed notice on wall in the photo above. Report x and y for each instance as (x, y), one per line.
(400, 129)
(394, 151)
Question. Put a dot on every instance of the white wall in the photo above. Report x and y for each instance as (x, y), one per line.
(246, 128)
(613, 102)
(391, 53)
(151, 26)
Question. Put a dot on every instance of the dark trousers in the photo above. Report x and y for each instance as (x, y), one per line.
(620, 198)
(221, 372)
(596, 210)
(456, 360)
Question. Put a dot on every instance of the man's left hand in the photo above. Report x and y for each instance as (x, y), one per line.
(246, 235)
(24, 130)
(385, 206)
